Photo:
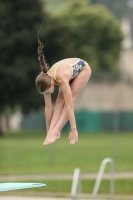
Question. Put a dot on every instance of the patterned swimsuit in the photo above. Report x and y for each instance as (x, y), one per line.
(76, 68)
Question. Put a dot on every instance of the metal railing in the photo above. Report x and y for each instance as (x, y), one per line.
(100, 175)
(76, 185)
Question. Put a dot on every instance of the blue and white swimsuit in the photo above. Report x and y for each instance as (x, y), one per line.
(76, 68)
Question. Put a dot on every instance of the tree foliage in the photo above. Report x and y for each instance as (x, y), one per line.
(19, 23)
(89, 32)
(119, 8)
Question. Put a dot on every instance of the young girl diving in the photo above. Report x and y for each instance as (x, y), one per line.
(72, 75)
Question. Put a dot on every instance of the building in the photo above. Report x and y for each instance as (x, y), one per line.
(126, 57)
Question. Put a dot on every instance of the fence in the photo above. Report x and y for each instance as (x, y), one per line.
(87, 121)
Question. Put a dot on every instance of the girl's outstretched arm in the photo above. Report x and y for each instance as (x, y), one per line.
(58, 110)
(65, 87)
(48, 111)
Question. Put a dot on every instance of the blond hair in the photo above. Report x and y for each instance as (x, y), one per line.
(43, 80)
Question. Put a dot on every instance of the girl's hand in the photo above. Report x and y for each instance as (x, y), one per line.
(73, 136)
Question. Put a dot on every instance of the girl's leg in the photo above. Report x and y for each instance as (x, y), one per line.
(77, 85)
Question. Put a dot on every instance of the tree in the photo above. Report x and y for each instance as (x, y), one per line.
(89, 32)
(119, 8)
(19, 21)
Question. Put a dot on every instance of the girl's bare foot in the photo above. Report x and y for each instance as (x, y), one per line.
(51, 137)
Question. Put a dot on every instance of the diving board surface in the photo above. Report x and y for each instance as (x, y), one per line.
(18, 186)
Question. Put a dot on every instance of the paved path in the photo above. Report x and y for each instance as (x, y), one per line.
(61, 176)
(88, 197)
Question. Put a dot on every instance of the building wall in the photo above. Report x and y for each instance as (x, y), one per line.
(126, 56)
(106, 96)
(126, 64)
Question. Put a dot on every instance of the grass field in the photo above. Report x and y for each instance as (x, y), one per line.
(23, 153)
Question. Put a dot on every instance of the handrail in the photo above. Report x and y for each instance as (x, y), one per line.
(99, 178)
(76, 184)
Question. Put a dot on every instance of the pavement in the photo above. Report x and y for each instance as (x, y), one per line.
(116, 197)
(43, 177)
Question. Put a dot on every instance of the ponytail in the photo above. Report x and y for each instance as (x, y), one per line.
(43, 80)
(41, 58)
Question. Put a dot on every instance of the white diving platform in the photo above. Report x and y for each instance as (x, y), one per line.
(19, 186)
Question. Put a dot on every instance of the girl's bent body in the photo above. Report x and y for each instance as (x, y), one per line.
(71, 74)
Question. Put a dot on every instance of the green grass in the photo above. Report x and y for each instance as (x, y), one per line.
(23, 153)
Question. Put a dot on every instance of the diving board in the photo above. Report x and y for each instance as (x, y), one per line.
(19, 186)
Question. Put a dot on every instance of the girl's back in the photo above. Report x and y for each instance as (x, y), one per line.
(70, 61)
